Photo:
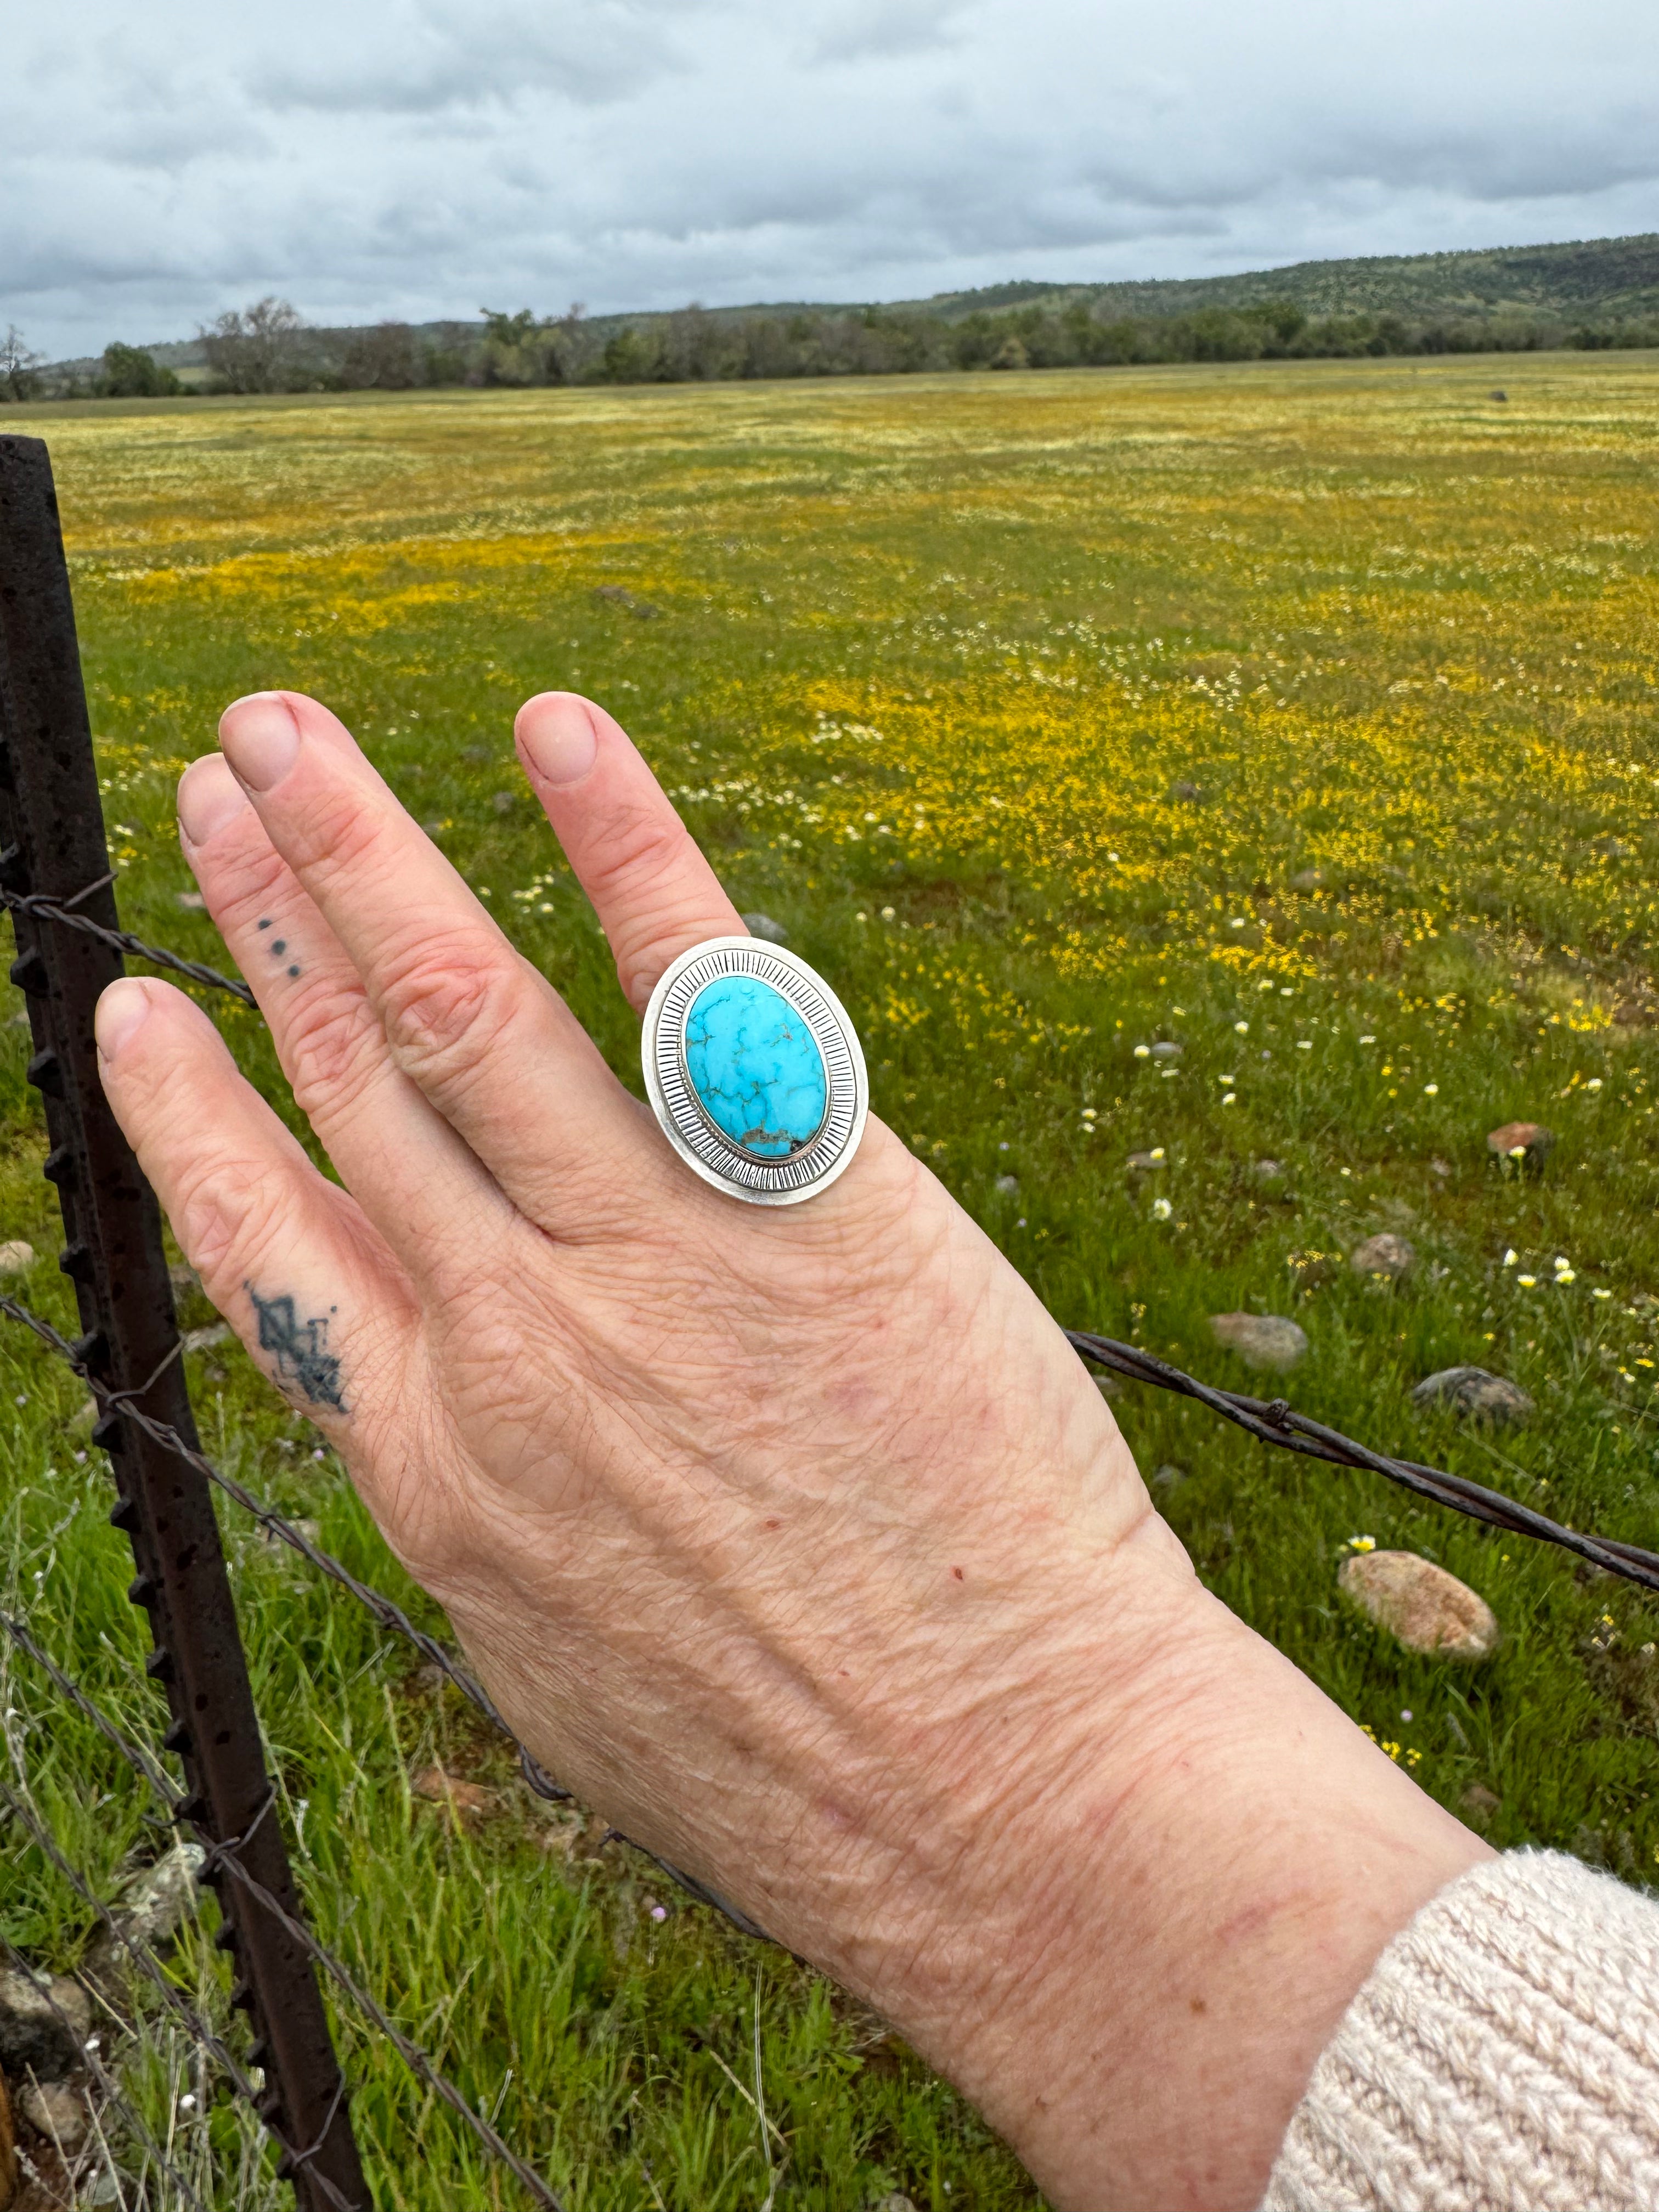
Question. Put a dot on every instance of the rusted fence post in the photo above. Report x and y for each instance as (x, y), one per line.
(52, 829)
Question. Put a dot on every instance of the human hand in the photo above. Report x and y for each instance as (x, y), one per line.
(797, 1542)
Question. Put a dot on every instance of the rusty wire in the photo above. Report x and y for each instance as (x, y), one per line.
(223, 1855)
(62, 912)
(1275, 1422)
(114, 2098)
(1272, 1422)
(144, 1958)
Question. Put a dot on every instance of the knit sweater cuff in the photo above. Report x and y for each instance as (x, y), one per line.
(1504, 2053)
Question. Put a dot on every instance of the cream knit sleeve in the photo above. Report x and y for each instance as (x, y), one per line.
(1504, 2056)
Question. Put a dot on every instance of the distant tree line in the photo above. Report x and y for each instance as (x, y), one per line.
(268, 348)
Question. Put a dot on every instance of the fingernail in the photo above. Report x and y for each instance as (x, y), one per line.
(209, 797)
(556, 737)
(260, 737)
(120, 1010)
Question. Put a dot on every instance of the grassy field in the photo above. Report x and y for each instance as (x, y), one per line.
(1303, 716)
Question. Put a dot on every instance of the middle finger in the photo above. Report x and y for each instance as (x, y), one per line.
(486, 1040)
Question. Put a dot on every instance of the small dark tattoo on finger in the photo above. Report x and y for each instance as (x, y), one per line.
(298, 1349)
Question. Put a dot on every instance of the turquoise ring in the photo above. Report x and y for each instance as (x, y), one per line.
(754, 1071)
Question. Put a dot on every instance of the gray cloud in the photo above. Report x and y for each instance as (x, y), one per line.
(414, 156)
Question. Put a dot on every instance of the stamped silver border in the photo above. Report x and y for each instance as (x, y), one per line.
(700, 1144)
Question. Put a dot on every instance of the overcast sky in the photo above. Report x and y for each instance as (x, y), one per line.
(413, 158)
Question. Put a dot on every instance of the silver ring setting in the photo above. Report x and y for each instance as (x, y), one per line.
(754, 1069)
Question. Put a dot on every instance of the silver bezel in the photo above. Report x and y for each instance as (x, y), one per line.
(708, 1150)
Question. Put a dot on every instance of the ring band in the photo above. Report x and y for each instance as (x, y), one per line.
(754, 1069)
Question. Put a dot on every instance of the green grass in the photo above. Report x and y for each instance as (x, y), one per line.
(933, 666)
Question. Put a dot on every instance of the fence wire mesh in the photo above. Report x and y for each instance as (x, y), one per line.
(1274, 1423)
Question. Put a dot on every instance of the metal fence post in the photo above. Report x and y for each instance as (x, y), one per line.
(51, 823)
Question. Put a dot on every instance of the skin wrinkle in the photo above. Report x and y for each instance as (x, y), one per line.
(975, 1803)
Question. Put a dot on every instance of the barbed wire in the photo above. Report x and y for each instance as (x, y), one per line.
(63, 911)
(114, 2097)
(1272, 1422)
(385, 1612)
(375, 1602)
(223, 1855)
(1275, 1422)
(144, 1958)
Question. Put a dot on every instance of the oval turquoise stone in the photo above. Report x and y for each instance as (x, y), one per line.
(754, 1066)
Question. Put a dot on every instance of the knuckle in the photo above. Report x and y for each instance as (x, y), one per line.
(228, 1214)
(328, 1046)
(340, 835)
(641, 846)
(448, 1002)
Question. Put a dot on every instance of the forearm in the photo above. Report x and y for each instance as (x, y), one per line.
(1170, 1937)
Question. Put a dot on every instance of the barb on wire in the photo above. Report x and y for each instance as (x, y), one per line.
(1275, 1423)
(223, 1854)
(114, 2097)
(145, 1959)
(62, 912)
(388, 1614)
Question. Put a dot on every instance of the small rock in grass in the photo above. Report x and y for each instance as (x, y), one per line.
(1265, 1340)
(1268, 1170)
(762, 925)
(1474, 1393)
(157, 1904)
(434, 828)
(1386, 1255)
(1497, 395)
(58, 2112)
(1522, 1141)
(1007, 1185)
(1309, 879)
(16, 1257)
(503, 801)
(1188, 791)
(896, 2201)
(475, 754)
(44, 2021)
(192, 902)
(1479, 1803)
(1166, 1051)
(1312, 1269)
(1427, 1609)
(1145, 1160)
(1168, 1477)
(466, 1798)
(1440, 1168)
(619, 595)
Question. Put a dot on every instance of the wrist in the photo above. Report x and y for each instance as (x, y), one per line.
(1179, 1888)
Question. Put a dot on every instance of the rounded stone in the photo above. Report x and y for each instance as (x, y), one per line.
(1264, 1341)
(1427, 1609)
(1384, 1255)
(754, 1067)
(1474, 1392)
(1525, 1141)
